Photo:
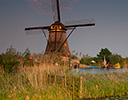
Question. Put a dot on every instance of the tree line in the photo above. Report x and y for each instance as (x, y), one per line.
(105, 54)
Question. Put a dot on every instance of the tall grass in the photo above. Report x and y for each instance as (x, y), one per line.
(103, 85)
(30, 84)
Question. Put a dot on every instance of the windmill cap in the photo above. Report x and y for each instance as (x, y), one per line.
(57, 26)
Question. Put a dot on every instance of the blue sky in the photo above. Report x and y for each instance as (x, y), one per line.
(111, 30)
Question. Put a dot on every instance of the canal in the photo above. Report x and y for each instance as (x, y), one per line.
(97, 70)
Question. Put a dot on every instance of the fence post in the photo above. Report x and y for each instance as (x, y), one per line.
(65, 81)
(47, 78)
(55, 78)
(80, 87)
(73, 88)
(50, 80)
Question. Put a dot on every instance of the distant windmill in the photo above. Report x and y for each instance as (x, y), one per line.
(57, 40)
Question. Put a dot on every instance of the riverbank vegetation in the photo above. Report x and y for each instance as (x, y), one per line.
(22, 77)
(30, 84)
(105, 85)
(107, 57)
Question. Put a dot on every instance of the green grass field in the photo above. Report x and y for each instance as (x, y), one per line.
(30, 84)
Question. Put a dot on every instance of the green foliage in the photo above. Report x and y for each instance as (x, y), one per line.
(105, 85)
(115, 58)
(31, 85)
(104, 52)
(1, 60)
(86, 60)
(11, 54)
(125, 62)
(26, 58)
(10, 66)
(10, 59)
(97, 59)
(74, 57)
(27, 54)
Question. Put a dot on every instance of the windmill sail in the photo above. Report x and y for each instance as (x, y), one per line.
(80, 25)
(57, 39)
(34, 28)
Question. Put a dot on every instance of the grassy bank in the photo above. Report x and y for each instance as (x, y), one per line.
(30, 84)
(103, 85)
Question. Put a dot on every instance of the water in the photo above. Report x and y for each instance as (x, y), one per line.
(98, 71)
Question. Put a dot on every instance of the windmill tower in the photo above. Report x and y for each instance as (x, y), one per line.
(57, 39)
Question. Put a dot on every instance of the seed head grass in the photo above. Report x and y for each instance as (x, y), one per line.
(30, 83)
(105, 85)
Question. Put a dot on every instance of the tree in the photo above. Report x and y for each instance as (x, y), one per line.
(115, 58)
(104, 52)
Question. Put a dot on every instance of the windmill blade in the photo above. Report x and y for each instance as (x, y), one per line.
(58, 10)
(35, 28)
(33, 32)
(80, 25)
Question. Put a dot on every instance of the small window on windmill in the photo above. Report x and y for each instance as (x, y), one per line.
(60, 27)
(65, 44)
(51, 27)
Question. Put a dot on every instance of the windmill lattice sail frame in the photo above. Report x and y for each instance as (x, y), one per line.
(58, 39)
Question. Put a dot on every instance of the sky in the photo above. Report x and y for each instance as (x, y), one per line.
(110, 31)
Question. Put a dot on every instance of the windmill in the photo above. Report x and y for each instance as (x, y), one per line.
(57, 39)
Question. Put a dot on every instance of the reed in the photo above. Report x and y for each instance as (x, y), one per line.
(29, 83)
(104, 85)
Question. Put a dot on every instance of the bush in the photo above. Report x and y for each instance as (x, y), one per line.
(10, 60)
(10, 66)
(86, 60)
(1, 60)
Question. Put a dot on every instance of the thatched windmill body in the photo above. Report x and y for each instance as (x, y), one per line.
(57, 39)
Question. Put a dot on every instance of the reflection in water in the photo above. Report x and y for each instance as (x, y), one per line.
(98, 71)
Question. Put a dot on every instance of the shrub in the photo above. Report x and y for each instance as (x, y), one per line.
(10, 66)
(10, 60)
